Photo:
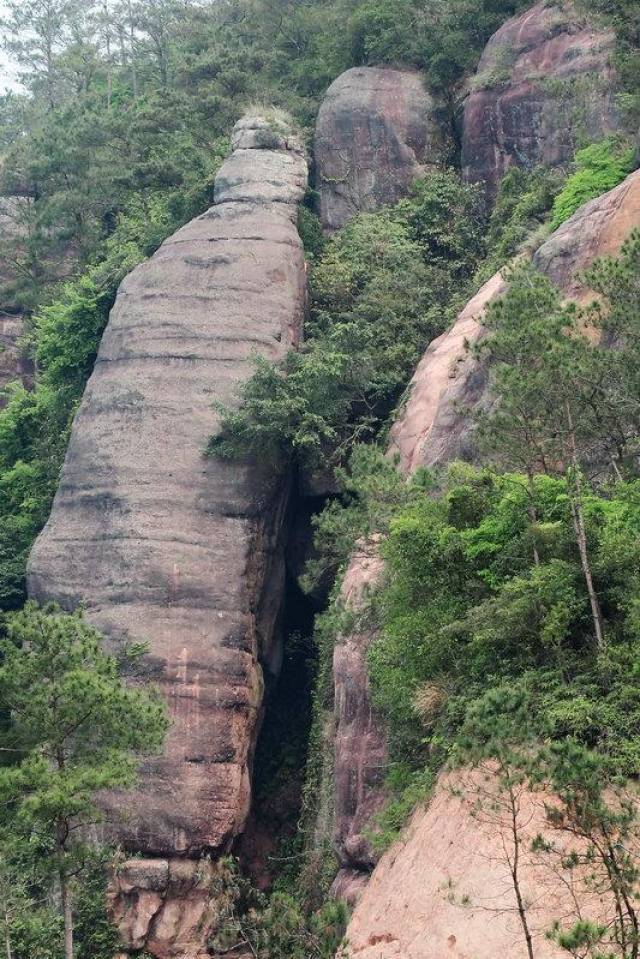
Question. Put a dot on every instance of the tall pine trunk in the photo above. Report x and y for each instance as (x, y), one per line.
(67, 913)
(7, 936)
(577, 512)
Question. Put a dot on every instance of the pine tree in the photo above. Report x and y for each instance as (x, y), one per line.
(77, 728)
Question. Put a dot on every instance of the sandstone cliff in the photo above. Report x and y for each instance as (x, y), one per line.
(377, 132)
(406, 909)
(544, 84)
(445, 889)
(165, 546)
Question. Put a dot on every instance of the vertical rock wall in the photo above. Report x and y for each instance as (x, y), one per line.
(165, 546)
(544, 85)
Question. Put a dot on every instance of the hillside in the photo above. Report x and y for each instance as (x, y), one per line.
(319, 566)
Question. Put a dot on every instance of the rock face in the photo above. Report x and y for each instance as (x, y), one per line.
(543, 84)
(162, 544)
(445, 889)
(165, 906)
(377, 131)
(360, 752)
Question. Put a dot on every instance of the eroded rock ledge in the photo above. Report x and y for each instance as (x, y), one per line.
(165, 546)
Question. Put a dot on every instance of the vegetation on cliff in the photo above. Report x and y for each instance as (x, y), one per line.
(509, 617)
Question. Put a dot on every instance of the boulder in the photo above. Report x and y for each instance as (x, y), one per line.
(377, 131)
(544, 85)
(163, 545)
(166, 906)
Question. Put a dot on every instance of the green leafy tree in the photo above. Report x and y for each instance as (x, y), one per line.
(78, 728)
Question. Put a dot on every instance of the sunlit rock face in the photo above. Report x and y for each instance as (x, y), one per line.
(434, 426)
(446, 890)
(162, 544)
(543, 86)
(378, 130)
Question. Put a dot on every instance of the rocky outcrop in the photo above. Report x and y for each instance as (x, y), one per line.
(163, 545)
(377, 131)
(544, 83)
(433, 428)
(446, 889)
(166, 906)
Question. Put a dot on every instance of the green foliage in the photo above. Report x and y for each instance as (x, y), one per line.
(520, 209)
(445, 40)
(468, 612)
(276, 926)
(598, 168)
(382, 287)
(75, 729)
(622, 17)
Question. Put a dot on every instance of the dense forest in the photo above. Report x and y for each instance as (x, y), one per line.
(508, 617)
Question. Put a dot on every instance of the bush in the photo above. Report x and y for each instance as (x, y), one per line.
(599, 167)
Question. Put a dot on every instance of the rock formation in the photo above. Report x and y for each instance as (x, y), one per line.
(433, 427)
(406, 910)
(544, 84)
(377, 132)
(166, 546)
(445, 889)
(360, 752)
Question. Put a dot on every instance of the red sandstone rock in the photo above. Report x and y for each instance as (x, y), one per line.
(360, 752)
(166, 546)
(445, 890)
(377, 132)
(544, 83)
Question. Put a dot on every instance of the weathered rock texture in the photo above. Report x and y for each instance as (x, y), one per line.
(434, 428)
(162, 544)
(360, 751)
(544, 83)
(15, 364)
(445, 889)
(377, 132)
(165, 906)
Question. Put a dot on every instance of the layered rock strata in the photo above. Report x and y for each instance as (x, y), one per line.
(544, 84)
(164, 545)
(378, 130)
(435, 427)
